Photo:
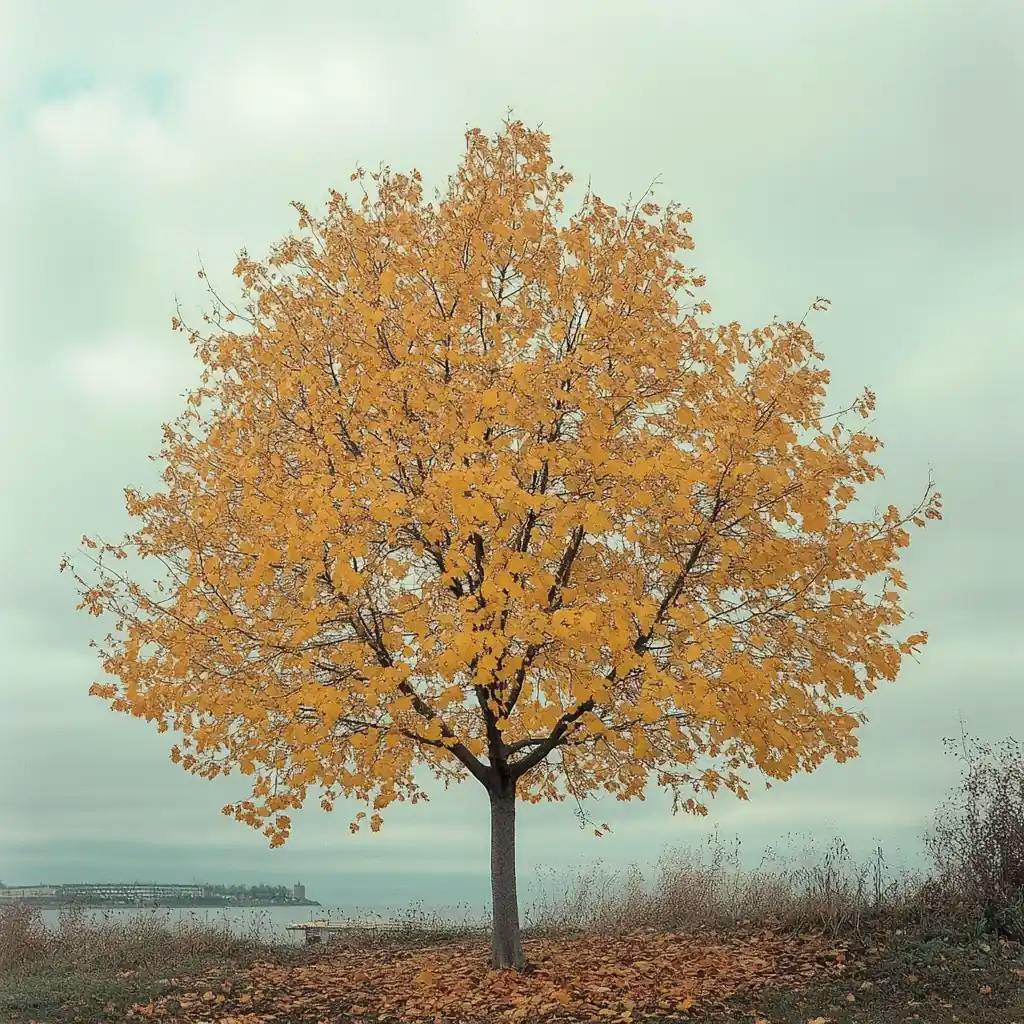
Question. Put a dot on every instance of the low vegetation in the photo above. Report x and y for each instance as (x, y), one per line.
(702, 939)
(133, 941)
(93, 966)
(977, 842)
(702, 888)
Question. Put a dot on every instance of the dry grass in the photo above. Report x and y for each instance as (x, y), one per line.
(91, 967)
(84, 940)
(414, 924)
(693, 889)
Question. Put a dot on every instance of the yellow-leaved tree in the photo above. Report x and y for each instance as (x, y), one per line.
(469, 485)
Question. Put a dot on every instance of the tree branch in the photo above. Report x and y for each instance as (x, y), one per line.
(520, 768)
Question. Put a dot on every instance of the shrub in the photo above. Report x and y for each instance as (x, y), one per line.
(977, 839)
(23, 936)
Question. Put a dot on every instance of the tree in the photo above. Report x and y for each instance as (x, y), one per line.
(469, 485)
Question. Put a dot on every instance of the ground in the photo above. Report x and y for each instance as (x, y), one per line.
(905, 978)
(735, 978)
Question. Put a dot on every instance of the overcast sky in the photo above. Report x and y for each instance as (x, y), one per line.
(865, 151)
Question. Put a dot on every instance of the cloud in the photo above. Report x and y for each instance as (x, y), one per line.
(106, 132)
(124, 370)
(232, 118)
(265, 94)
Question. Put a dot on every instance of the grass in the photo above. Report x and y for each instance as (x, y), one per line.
(906, 977)
(92, 994)
(92, 968)
(694, 888)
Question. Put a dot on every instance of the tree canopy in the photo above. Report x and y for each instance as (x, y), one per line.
(471, 484)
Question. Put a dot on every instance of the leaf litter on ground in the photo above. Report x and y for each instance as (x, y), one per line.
(642, 975)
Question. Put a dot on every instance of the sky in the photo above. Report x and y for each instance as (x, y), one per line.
(864, 151)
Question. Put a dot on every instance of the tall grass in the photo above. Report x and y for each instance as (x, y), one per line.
(708, 887)
(89, 940)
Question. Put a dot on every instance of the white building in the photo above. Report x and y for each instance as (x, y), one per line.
(27, 892)
(132, 891)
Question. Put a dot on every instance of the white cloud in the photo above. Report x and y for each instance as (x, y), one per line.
(105, 130)
(261, 98)
(126, 369)
(231, 120)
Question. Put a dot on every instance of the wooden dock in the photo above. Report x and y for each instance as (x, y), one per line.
(318, 931)
(315, 932)
(323, 931)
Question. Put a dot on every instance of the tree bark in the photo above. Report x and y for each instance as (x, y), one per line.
(506, 944)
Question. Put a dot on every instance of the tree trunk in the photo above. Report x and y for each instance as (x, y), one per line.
(506, 945)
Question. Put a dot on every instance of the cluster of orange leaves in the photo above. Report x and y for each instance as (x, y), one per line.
(639, 976)
(475, 488)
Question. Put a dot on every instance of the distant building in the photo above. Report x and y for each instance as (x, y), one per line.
(27, 892)
(153, 892)
(132, 892)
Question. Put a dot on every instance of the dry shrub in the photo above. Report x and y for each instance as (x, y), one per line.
(693, 889)
(977, 839)
(411, 925)
(85, 939)
(23, 936)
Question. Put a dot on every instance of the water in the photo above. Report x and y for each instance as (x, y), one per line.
(270, 924)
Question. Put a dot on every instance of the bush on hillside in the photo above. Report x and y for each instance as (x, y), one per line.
(977, 840)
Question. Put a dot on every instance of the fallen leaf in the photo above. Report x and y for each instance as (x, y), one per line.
(628, 978)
